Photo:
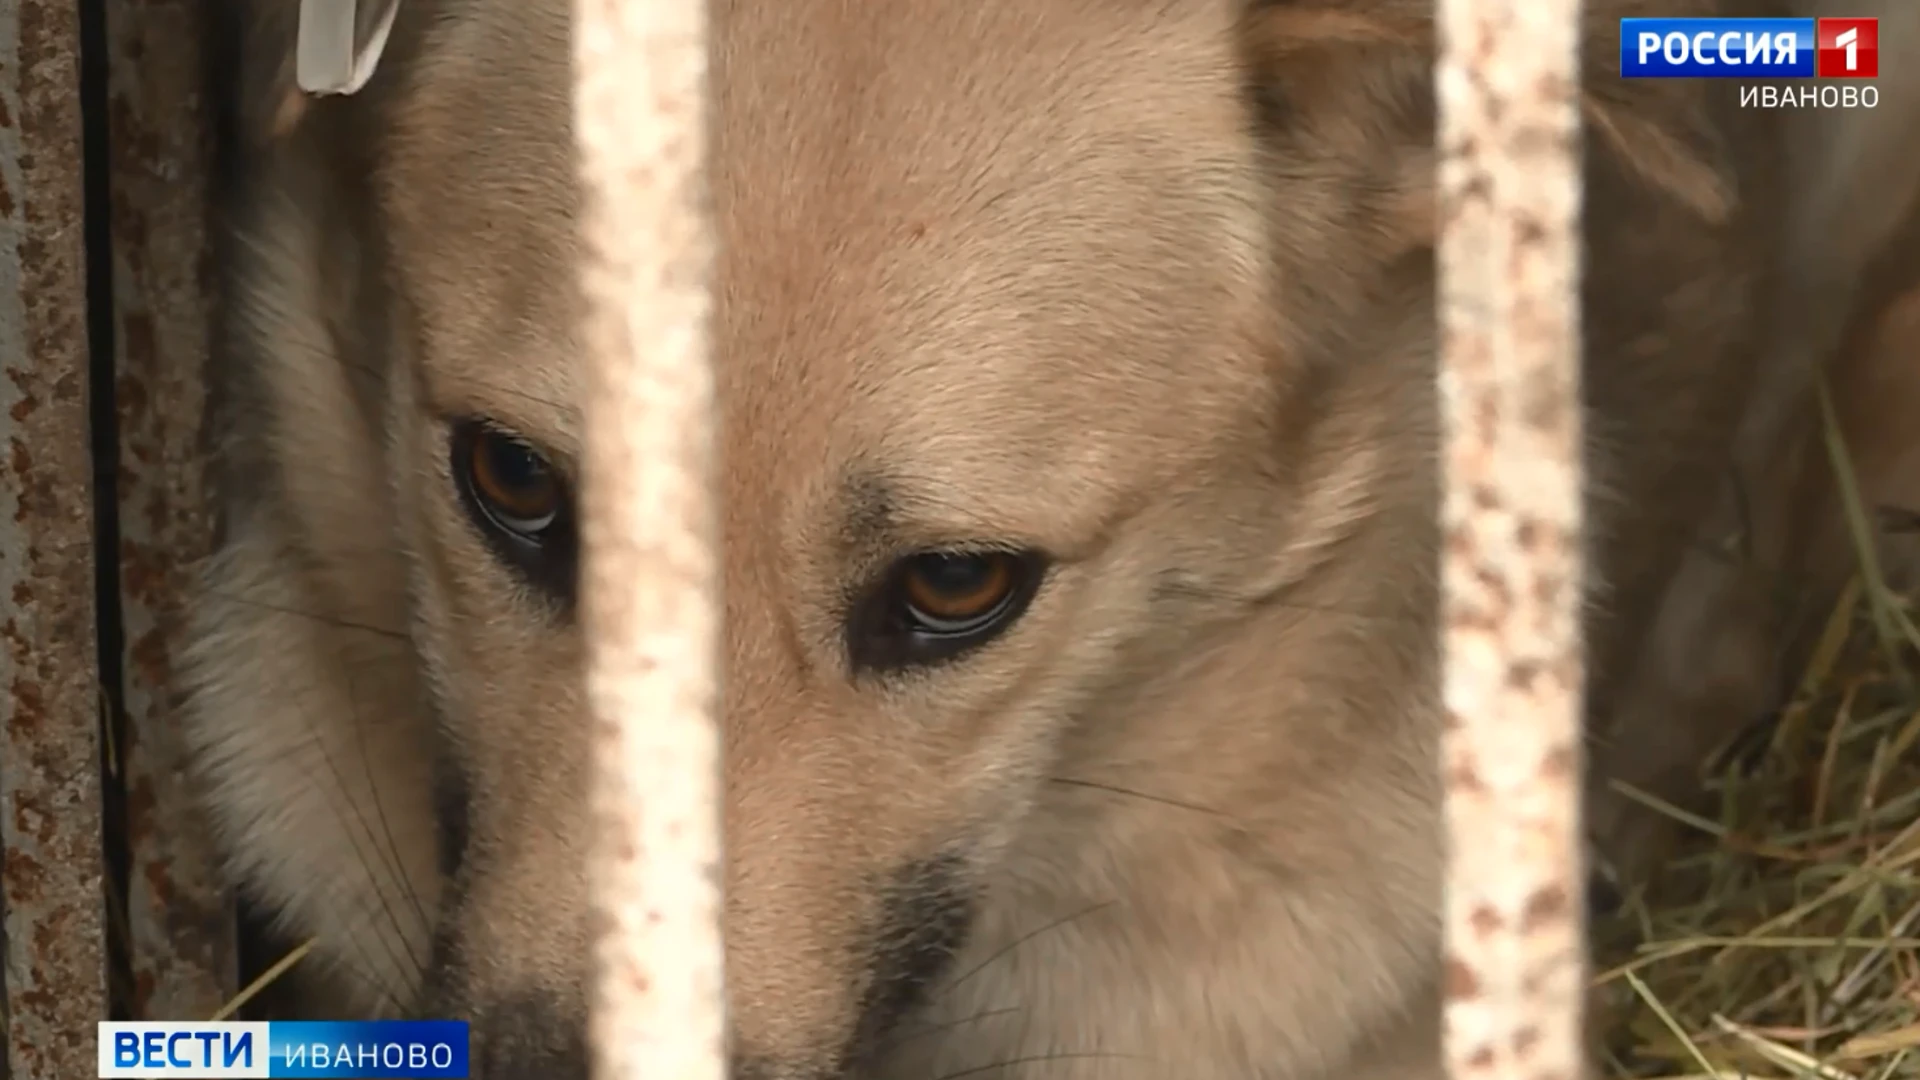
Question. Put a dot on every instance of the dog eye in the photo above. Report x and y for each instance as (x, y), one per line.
(935, 605)
(512, 484)
(956, 594)
(519, 500)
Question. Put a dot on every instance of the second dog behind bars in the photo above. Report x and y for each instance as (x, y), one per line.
(1078, 438)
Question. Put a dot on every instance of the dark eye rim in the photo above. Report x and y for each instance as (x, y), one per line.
(883, 637)
(546, 558)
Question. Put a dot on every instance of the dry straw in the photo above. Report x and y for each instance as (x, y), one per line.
(1785, 943)
(1509, 182)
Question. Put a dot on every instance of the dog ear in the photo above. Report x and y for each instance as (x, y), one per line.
(265, 34)
(334, 45)
(1343, 104)
(1354, 79)
(1662, 132)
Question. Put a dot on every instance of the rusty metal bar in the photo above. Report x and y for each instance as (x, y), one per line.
(1510, 196)
(651, 576)
(51, 889)
(180, 924)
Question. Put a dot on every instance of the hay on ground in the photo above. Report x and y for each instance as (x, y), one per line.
(1782, 944)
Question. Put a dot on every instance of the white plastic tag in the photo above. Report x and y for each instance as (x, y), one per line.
(340, 43)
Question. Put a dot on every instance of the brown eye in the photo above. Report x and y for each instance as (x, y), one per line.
(957, 594)
(521, 504)
(933, 606)
(512, 484)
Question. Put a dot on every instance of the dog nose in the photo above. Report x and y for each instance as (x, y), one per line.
(542, 1067)
(523, 1063)
(529, 1038)
(530, 1061)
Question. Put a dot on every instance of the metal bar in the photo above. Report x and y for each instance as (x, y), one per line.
(651, 574)
(180, 924)
(1510, 196)
(51, 890)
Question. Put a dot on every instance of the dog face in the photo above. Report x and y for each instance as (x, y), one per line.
(1076, 455)
(994, 327)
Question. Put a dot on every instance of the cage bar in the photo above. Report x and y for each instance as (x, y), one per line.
(51, 891)
(650, 578)
(180, 924)
(1509, 204)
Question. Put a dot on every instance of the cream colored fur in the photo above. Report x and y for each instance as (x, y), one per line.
(1041, 271)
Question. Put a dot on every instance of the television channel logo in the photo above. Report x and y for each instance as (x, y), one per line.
(215, 1050)
(1726, 48)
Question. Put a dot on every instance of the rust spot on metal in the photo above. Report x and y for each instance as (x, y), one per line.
(1485, 921)
(49, 765)
(1460, 982)
(1462, 778)
(1525, 1040)
(1548, 903)
(179, 918)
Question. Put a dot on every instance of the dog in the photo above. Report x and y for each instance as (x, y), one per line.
(1739, 616)
(1079, 431)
